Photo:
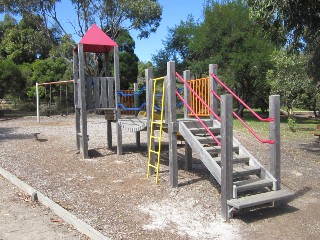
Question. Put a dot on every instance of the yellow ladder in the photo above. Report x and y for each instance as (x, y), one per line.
(155, 122)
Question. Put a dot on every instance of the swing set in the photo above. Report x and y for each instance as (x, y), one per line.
(60, 83)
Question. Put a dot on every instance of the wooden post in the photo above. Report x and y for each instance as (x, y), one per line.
(213, 68)
(172, 123)
(83, 118)
(107, 74)
(187, 148)
(274, 133)
(149, 91)
(117, 100)
(136, 105)
(76, 97)
(226, 154)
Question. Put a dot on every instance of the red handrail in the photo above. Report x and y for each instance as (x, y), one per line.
(240, 100)
(270, 141)
(200, 99)
(200, 121)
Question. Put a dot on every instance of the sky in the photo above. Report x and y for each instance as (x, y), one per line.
(173, 12)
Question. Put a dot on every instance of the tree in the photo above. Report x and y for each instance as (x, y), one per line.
(11, 81)
(113, 15)
(301, 21)
(23, 42)
(289, 79)
(176, 46)
(229, 38)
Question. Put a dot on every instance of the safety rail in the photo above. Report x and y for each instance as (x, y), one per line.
(195, 94)
(270, 141)
(241, 101)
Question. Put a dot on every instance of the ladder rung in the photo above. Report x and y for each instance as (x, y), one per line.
(154, 151)
(152, 166)
(155, 137)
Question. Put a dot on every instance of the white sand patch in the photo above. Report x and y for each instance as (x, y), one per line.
(189, 218)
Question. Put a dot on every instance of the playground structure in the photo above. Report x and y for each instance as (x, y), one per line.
(60, 83)
(244, 181)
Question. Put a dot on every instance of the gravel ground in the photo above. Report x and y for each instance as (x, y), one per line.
(113, 195)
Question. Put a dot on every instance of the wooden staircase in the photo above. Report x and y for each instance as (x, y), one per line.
(252, 184)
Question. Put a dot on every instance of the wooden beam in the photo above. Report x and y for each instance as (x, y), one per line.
(226, 154)
(213, 68)
(76, 99)
(172, 121)
(117, 99)
(83, 118)
(186, 111)
(136, 105)
(274, 133)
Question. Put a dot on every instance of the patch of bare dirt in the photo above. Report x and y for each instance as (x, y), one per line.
(113, 195)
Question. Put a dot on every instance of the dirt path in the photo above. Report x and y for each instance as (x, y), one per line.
(113, 195)
(20, 218)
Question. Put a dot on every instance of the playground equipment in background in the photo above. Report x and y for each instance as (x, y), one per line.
(60, 83)
(244, 181)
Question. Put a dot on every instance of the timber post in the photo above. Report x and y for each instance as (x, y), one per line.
(117, 100)
(172, 123)
(226, 154)
(136, 105)
(76, 97)
(186, 111)
(213, 68)
(274, 133)
(83, 118)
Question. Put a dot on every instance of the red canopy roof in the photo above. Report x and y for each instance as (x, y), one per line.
(96, 41)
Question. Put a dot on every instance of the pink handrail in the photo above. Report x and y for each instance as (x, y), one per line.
(240, 100)
(200, 99)
(270, 141)
(200, 121)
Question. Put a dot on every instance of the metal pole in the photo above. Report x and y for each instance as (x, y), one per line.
(38, 104)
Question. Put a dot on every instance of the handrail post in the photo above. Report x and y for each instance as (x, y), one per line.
(274, 133)
(186, 111)
(172, 123)
(226, 154)
(213, 68)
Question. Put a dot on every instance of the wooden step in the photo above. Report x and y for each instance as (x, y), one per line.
(243, 171)
(251, 184)
(258, 199)
(217, 149)
(235, 160)
(203, 131)
(207, 139)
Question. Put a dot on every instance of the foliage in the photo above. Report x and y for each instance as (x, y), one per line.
(299, 20)
(142, 66)
(289, 79)
(176, 47)
(113, 15)
(11, 81)
(230, 39)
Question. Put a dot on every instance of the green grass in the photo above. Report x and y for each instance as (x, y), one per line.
(304, 127)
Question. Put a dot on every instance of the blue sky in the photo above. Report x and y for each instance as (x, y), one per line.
(173, 12)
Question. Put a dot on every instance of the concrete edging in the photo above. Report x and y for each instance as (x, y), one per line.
(80, 225)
